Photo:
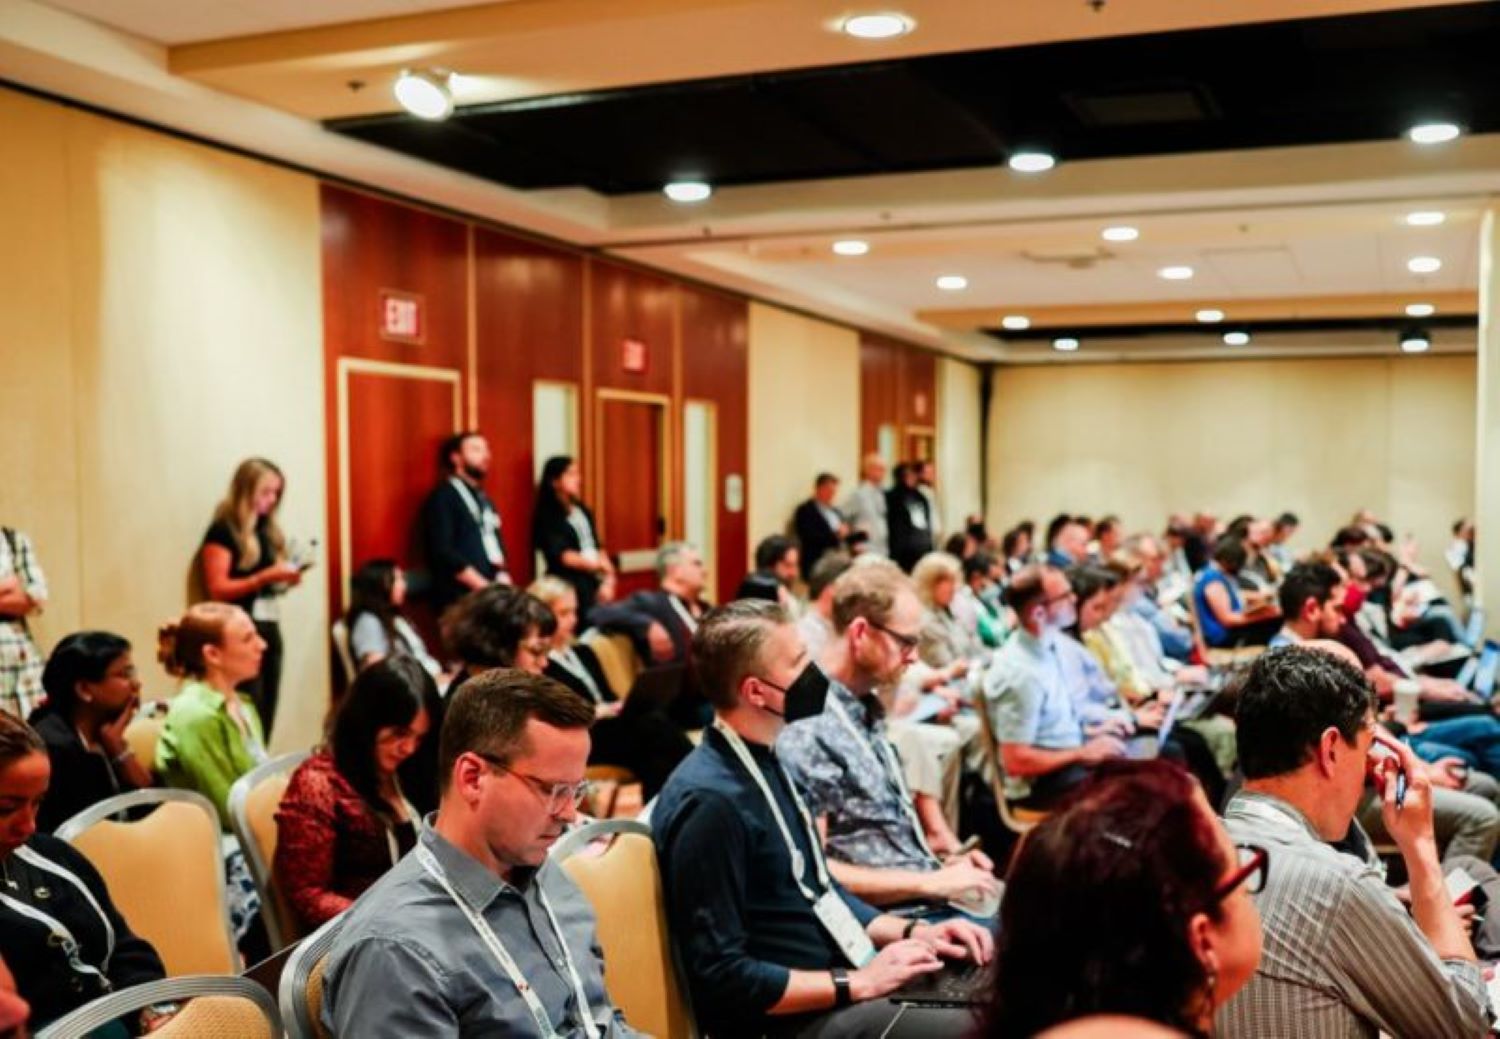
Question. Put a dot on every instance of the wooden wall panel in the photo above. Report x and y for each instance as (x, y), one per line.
(919, 389)
(529, 326)
(880, 377)
(369, 245)
(625, 303)
(715, 367)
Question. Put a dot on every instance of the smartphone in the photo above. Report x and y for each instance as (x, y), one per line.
(1461, 886)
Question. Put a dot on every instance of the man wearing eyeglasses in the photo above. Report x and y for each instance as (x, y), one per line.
(1041, 740)
(772, 943)
(476, 932)
(1342, 957)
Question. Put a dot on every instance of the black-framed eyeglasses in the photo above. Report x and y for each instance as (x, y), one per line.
(1254, 867)
(908, 643)
(559, 796)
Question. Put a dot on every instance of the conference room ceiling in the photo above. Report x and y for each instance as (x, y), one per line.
(1259, 144)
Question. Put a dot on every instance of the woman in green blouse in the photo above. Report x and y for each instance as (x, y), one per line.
(212, 734)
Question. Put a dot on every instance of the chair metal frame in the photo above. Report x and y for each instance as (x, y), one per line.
(106, 810)
(105, 1009)
(1014, 823)
(338, 632)
(277, 929)
(297, 972)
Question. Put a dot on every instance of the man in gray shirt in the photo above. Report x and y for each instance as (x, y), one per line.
(865, 507)
(477, 932)
(1342, 957)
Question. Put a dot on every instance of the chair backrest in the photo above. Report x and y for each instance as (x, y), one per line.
(141, 736)
(253, 800)
(301, 995)
(624, 886)
(222, 1006)
(165, 873)
(340, 632)
(1016, 820)
(619, 660)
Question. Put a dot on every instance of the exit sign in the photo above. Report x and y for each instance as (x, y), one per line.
(633, 355)
(402, 316)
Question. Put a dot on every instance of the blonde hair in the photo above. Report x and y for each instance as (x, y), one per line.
(932, 568)
(549, 589)
(180, 642)
(867, 590)
(237, 511)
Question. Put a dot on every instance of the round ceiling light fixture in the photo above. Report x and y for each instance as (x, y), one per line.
(1415, 341)
(952, 282)
(1178, 273)
(687, 190)
(1426, 218)
(1420, 310)
(1065, 344)
(1121, 233)
(1424, 265)
(1237, 338)
(1209, 316)
(1433, 133)
(851, 247)
(885, 25)
(425, 93)
(1032, 162)
(1015, 322)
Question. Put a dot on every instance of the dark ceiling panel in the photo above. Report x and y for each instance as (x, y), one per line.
(1331, 80)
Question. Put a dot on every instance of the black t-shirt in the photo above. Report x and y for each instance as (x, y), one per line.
(220, 534)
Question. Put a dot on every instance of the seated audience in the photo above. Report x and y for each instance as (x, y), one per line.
(59, 930)
(212, 734)
(661, 623)
(92, 695)
(377, 591)
(1015, 546)
(886, 843)
(1067, 541)
(1109, 538)
(908, 518)
(946, 641)
(1223, 615)
(777, 564)
(1342, 956)
(818, 525)
(343, 820)
(645, 741)
(1283, 528)
(23, 593)
(1176, 637)
(1043, 749)
(816, 623)
(772, 944)
(979, 597)
(419, 952)
(1130, 899)
(564, 533)
(865, 508)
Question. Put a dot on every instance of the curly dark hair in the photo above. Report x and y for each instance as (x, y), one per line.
(1097, 905)
(485, 628)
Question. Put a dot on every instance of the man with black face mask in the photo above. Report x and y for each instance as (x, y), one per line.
(772, 943)
(460, 525)
(1042, 747)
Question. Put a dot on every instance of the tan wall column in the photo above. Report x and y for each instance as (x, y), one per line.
(1487, 448)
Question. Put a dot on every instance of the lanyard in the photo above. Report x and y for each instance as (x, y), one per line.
(60, 933)
(568, 660)
(486, 519)
(892, 768)
(411, 817)
(798, 863)
(507, 962)
(683, 612)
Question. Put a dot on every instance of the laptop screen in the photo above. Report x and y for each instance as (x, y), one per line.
(1474, 633)
(1489, 661)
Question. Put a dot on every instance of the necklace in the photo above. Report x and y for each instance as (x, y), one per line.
(5, 869)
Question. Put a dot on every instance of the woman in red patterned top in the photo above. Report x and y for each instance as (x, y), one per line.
(343, 820)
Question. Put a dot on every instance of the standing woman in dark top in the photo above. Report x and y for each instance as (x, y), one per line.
(245, 563)
(59, 930)
(563, 531)
(92, 695)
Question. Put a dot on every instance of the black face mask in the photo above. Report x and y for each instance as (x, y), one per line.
(805, 696)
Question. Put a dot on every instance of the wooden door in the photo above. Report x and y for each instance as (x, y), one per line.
(632, 511)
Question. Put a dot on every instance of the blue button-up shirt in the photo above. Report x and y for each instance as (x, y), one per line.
(1029, 701)
(407, 962)
(844, 775)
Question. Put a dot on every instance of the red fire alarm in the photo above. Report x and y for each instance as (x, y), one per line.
(633, 355)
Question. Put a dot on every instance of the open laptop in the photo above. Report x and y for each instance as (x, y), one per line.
(1481, 666)
(1148, 745)
(958, 984)
(1474, 631)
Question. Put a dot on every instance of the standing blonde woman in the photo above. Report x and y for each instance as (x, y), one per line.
(245, 563)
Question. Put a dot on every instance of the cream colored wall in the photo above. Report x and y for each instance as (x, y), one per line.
(804, 412)
(164, 300)
(1319, 437)
(958, 436)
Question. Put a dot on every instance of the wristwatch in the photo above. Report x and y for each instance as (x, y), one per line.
(843, 996)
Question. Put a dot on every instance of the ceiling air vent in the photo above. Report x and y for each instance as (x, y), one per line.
(1156, 105)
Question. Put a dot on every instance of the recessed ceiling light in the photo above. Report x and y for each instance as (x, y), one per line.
(1415, 341)
(424, 93)
(952, 282)
(1015, 322)
(687, 191)
(1420, 310)
(1424, 264)
(1426, 218)
(882, 26)
(1066, 344)
(851, 247)
(1031, 162)
(1122, 233)
(1175, 273)
(1433, 133)
(1236, 338)
(1210, 316)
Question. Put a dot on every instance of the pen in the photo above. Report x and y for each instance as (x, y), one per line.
(1400, 789)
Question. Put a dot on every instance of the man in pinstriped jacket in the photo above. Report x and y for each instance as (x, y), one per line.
(1343, 958)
